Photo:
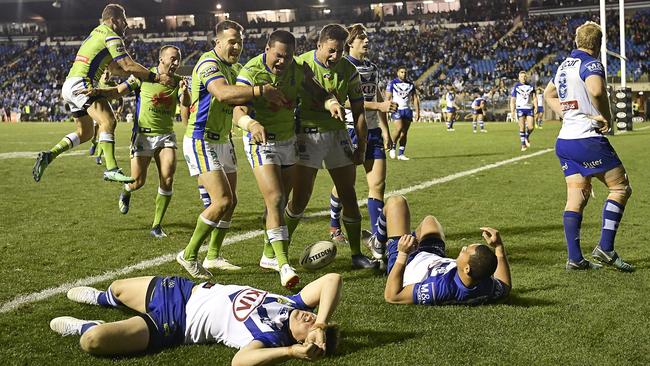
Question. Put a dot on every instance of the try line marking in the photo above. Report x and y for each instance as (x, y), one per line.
(21, 300)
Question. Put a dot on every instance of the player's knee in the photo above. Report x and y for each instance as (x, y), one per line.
(92, 340)
(620, 192)
(393, 201)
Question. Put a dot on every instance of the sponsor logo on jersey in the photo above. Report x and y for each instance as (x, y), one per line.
(594, 66)
(246, 301)
(565, 166)
(592, 164)
(209, 71)
(424, 294)
(81, 58)
(162, 98)
(569, 105)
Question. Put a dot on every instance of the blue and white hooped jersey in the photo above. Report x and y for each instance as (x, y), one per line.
(450, 97)
(523, 95)
(574, 98)
(369, 75)
(237, 315)
(435, 282)
(477, 102)
(402, 91)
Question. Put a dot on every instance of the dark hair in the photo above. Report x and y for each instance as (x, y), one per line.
(113, 11)
(163, 48)
(282, 36)
(332, 31)
(355, 30)
(332, 337)
(228, 24)
(482, 263)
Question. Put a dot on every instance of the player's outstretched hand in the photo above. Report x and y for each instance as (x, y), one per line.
(167, 80)
(317, 336)
(182, 86)
(407, 243)
(337, 111)
(258, 132)
(274, 96)
(306, 351)
(602, 125)
(491, 236)
(387, 106)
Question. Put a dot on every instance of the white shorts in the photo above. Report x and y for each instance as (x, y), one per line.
(202, 156)
(142, 145)
(282, 153)
(77, 103)
(329, 150)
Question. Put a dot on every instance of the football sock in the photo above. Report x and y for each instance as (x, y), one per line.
(572, 222)
(528, 133)
(401, 150)
(612, 214)
(98, 151)
(522, 137)
(68, 142)
(203, 228)
(107, 299)
(205, 197)
(86, 326)
(381, 233)
(353, 229)
(375, 208)
(279, 238)
(474, 125)
(335, 211)
(107, 144)
(482, 124)
(162, 202)
(216, 239)
(292, 220)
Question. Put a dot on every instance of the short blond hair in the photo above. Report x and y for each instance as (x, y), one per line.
(589, 36)
(113, 11)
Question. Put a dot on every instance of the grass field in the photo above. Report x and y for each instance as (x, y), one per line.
(67, 228)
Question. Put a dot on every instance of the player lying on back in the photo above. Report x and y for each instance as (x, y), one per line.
(420, 273)
(266, 328)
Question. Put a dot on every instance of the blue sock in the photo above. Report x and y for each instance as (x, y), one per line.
(381, 234)
(612, 214)
(522, 137)
(482, 124)
(375, 207)
(451, 123)
(335, 212)
(401, 150)
(107, 299)
(205, 197)
(572, 222)
(474, 125)
(85, 327)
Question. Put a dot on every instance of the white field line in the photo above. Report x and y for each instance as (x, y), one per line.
(149, 263)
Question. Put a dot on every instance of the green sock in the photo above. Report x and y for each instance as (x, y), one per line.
(292, 223)
(216, 240)
(353, 229)
(64, 145)
(98, 151)
(281, 249)
(201, 232)
(162, 202)
(268, 248)
(108, 147)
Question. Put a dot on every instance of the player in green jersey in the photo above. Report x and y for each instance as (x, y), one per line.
(207, 147)
(270, 141)
(103, 48)
(153, 131)
(324, 141)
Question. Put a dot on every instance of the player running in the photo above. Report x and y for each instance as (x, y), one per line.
(450, 109)
(171, 311)
(523, 99)
(323, 140)
(104, 47)
(403, 92)
(478, 112)
(379, 139)
(578, 93)
(540, 108)
(153, 131)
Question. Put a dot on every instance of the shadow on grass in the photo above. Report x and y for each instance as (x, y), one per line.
(455, 156)
(368, 339)
(516, 297)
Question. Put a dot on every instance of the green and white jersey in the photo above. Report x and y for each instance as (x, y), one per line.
(101, 47)
(279, 122)
(342, 81)
(155, 105)
(209, 118)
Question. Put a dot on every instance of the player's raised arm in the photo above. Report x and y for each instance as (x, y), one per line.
(184, 93)
(395, 292)
(502, 273)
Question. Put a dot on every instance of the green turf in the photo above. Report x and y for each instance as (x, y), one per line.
(68, 227)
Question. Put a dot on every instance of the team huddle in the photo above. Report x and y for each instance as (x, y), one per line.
(299, 114)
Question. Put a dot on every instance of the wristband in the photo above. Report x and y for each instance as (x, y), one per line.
(151, 77)
(261, 90)
(244, 122)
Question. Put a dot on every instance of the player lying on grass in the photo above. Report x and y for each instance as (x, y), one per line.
(419, 271)
(267, 328)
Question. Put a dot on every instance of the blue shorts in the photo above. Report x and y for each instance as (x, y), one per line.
(450, 109)
(477, 111)
(431, 244)
(166, 299)
(524, 112)
(540, 109)
(375, 147)
(403, 114)
(588, 156)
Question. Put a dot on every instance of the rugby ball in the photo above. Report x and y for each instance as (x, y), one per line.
(318, 255)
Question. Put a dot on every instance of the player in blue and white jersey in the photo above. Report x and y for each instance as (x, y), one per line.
(523, 104)
(379, 139)
(403, 92)
(539, 117)
(578, 93)
(478, 112)
(420, 273)
(265, 327)
(450, 109)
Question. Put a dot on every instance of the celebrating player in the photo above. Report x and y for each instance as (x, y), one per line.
(153, 131)
(578, 93)
(523, 97)
(420, 273)
(478, 112)
(323, 140)
(450, 109)
(266, 328)
(540, 108)
(379, 139)
(403, 92)
(103, 48)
